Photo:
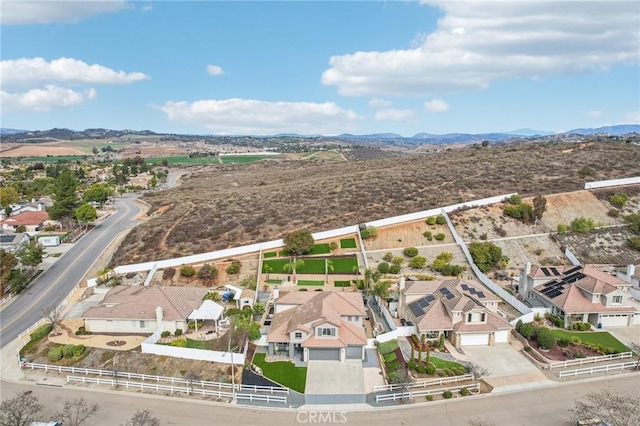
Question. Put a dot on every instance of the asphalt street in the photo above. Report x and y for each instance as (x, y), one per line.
(53, 285)
(540, 406)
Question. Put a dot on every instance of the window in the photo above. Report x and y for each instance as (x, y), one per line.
(326, 332)
(298, 335)
(483, 317)
(143, 324)
(469, 317)
(617, 300)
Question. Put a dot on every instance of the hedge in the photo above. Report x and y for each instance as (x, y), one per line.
(67, 351)
(78, 350)
(55, 353)
(41, 331)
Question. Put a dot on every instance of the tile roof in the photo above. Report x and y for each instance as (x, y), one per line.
(316, 308)
(139, 302)
(26, 218)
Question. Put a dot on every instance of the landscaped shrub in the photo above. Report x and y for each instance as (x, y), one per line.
(522, 211)
(333, 246)
(388, 257)
(410, 251)
(427, 234)
(208, 272)
(440, 373)
(528, 330)
(78, 350)
(581, 326)
(527, 348)
(234, 268)
(576, 340)
(391, 356)
(429, 397)
(587, 171)
(460, 370)
(431, 220)
(440, 236)
(67, 351)
(634, 243)
(387, 347)
(165, 333)
(448, 372)
(563, 342)
(418, 262)
(485, 254)
(464, 392)
(562, 228)
(421, 368)
(368, 232)
(447, 394)
(41, 331)
(178, 332)
(431, 369)
(411, 365)
(582, 225)
(168, 273)
(383, 267)
(555, 320)
(393, 365)
(546, 338)
(613, 213)
(55, 353)
(515, 199)
(395, 269)
(81, 331)
(519, 325)
(187, 271)
(441, 220)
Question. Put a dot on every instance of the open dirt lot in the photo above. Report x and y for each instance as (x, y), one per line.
(38, 150)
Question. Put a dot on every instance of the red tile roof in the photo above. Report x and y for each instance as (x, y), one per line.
(26, 218)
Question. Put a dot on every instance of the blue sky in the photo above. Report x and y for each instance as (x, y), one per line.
(331, 67)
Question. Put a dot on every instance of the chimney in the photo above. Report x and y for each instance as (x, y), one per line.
(40, 206)
(159, 315)
(276, 293)
(401, 284)
(527, 268)
(631, 270)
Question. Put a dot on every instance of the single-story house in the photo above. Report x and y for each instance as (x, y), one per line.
(33, 221)
(464, 311)
(12, 242)
(318, 325)
(580, 293)
(247, 298)
(144, 309)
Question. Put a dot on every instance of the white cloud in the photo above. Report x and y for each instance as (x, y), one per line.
(394, 114)
(248, 116)
(436, 105)
(379, 103)
(479, 42)
(15, 12)
(594, 114)
(632, 118)
(32, 71)
(214, 70)
(45, 99)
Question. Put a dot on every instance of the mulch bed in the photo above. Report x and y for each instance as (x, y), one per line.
(558, 353)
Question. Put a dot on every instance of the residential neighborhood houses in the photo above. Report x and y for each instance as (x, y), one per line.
(413, 328)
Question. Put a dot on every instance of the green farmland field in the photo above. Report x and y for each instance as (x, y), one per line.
(46, 159)
(183, 159)
(228, 159)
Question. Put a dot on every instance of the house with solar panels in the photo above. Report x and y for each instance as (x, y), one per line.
(579, 294)
(463, 310)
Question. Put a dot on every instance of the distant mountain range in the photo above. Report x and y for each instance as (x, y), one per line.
(389, 138)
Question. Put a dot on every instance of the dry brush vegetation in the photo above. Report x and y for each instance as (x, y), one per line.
(226, 206)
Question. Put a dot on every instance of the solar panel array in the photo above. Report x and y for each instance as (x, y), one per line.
(556, 287)
(418, 306)
(473, 291)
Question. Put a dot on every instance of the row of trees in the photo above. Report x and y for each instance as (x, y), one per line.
(23, 408)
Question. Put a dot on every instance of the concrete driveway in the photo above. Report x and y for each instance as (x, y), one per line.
(508, 368)
(335, 382)
(626, 335)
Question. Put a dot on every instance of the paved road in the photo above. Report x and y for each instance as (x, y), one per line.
(540, 406)
(53, 285)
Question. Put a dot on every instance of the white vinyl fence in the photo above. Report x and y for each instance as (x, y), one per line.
(423, 393)
(590, 360)
(423, 383)
(598, 369)
(407, 330)
(612, 182)
(176, 389)
(572, 257)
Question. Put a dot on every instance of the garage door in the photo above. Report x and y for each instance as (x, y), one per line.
(502, 336)
(354, 352)
(324, 354)
(474, 339)
(614, 320)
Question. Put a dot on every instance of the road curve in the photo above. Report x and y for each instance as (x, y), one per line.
(54, 284)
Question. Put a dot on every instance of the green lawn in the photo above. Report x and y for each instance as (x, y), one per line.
(442, 364)
(593, 337)
(320, 249)
(283, 372)
(184, 159)
(274, 281)
(341, 265)
(344, 265)
(269, 254)
(310, 282)
(388, 347)
(348, 243)
(342, 284)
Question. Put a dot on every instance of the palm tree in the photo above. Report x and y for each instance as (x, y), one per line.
(328, 266)
(267, 269)
(381, 289)
(293, 265)
(371, 277)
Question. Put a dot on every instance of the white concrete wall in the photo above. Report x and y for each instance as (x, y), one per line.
(612, 182)
(398, 332)
(126, 326)
(572, 257)
(149, 347)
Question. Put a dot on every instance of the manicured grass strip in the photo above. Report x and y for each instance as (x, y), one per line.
(310, 282)
(320, 249)
(269, 254)
(342, 284)
(53, 159)
(283, 372)
(344, 265)
(442, 364)
(283, 253)
(196, 344)
(274, 281)
(348, 243)
(183, 159)
(391, 356)
(388, 347)
(599, 337)
(276, 265)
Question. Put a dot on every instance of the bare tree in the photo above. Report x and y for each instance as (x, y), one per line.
(191, 376)
(478, 371)
(539, 207)
(143, 418)
(619, 409)
(53, 314)
(480, 422)
(76, 412)
(19, 410)
(636, 348)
